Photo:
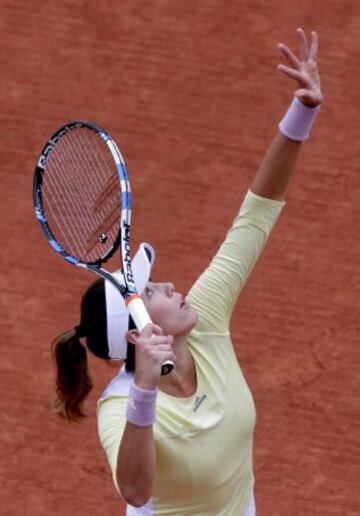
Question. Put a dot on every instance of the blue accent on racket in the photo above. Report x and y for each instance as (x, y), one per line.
(82, 200)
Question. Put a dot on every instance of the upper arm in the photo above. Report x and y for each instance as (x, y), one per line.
(214, 294)
(111, 425)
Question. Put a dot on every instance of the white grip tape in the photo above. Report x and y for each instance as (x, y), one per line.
(139, 313)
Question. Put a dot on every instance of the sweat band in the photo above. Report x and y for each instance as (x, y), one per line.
(298, 120)
(141, 409)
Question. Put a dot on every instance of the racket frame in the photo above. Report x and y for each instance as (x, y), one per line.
(128, 289)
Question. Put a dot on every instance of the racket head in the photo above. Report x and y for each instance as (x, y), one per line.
(81, 194)
(82, 200)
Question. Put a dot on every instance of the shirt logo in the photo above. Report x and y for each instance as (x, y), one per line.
(198, 401)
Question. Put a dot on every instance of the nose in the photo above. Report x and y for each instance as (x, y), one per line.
(169, 288)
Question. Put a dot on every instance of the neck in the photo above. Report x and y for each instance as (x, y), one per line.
(181, 381)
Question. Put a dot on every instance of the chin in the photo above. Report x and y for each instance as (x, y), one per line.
(191, 322)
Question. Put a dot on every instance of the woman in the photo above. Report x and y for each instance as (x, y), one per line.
(182, 444)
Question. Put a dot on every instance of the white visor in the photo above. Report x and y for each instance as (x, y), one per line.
(117, 315)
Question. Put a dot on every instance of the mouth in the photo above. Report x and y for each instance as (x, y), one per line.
(183, 303)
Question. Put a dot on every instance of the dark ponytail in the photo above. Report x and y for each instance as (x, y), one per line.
(73, 382)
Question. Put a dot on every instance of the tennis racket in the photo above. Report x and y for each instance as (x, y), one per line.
(82, 201)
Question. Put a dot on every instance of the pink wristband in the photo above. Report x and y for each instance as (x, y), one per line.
(141, 409)
(298, 120)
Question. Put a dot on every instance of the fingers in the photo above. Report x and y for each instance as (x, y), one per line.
(155, 340)
(153, 335)
(295, 74)
(314, 46)
(151, 329)
(165, 355)
(164, 352)
(158, 350)
(293, 60)
(311, 99)
(304, 49)
(301, 93)
(157, 330)
(305, 53)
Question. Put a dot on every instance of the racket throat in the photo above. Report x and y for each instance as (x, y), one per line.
(126, 256)
(138, 312)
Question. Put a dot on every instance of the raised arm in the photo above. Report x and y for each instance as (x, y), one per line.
(278, 165)
(216, 291)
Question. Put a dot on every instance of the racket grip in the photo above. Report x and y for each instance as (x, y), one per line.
(167, 367)
(141, 318)
(138, 312)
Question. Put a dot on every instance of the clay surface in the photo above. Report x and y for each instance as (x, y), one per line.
(191, 93)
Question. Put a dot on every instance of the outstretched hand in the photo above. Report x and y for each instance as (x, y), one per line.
(304, 69)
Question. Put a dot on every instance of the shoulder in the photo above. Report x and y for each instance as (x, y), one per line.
(119, 385)
(111, 406)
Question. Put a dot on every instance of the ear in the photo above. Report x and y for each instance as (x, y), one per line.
(132, 336)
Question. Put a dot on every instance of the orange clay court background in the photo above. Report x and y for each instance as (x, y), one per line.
(190, 91)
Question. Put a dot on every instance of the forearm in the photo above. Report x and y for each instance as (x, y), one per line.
(136, 464)
(277, 168)
(279, 162)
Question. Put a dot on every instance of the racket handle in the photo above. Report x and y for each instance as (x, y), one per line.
(141, 318)
(167, 367)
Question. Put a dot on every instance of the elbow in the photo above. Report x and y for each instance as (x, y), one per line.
(133, 496)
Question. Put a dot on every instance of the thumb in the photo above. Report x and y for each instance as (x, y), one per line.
(301, 93)
(157, 329)
(151, 329)
(309, 99)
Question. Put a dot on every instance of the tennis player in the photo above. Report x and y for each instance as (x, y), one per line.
(182, 444)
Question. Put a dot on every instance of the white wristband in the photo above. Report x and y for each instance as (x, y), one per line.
(298, 120)
(141, 409)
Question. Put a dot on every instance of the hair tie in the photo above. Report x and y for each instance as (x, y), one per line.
(79, 331)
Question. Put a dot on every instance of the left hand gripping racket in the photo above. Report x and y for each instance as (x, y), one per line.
(82, 201)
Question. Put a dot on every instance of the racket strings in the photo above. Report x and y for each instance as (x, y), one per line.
(51, 197)
(69, 225)
(107, 202)
(110, 183)
(100, 165)
(69, 205)
(107, 192)
(97, 178)
(81, 194)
